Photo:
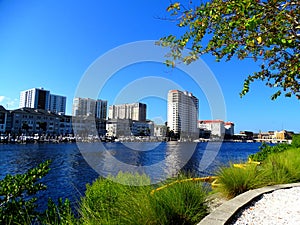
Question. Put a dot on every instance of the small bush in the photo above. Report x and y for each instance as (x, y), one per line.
(108, 202)
(277, 168)
(181, 203)
(234, 181)
(296, 141)
(266, 150)
(17, 201)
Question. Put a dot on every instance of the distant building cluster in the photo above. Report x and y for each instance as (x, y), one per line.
(43, 113)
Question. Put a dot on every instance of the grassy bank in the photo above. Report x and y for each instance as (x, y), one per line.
(279, 164)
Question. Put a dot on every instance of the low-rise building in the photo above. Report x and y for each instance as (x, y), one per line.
(118, 127)
(245, 135)
(216, 127)
(160, 130)
(84, 126)
(65, 125)
(126, 127)
(282, 135)
(30, 121)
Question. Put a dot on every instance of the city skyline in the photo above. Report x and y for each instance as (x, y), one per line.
(43, 45)
(101, 105)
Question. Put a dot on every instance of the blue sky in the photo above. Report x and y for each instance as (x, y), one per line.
(51, 44)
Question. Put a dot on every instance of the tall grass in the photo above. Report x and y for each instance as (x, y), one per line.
(181, 203)
(108, 202)
(283, 167)
(277, 168)
(234, 181)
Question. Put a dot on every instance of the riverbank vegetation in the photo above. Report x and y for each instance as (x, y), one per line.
(108, 201)
(279, 164)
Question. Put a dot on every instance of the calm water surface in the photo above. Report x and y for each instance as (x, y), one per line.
(70, 172)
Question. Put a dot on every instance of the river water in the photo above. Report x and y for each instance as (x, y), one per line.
(74, 165)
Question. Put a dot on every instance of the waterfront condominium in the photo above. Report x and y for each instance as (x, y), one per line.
(57, 104)
(89, 107)
(134, 111)
(38, 98)
(183, 110)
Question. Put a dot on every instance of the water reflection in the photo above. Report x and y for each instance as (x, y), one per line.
(70, 171)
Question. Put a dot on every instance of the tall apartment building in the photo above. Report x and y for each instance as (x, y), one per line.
(183, 110)
(134, 111)
(38, 98)
(35, 98)
(57, 104)
(89, 107)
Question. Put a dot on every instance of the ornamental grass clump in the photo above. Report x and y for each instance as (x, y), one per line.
(282, 167)
(234, 181)
(180, 203)
(109, 202)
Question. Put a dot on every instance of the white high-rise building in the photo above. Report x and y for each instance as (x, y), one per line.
(134, 111)
(38, 98)
(89, 107)
(183, 110)
(57, 104)
(35, 98)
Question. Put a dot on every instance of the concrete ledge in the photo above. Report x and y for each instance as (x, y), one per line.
(227, 210)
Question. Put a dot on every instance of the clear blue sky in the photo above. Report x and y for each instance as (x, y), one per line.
(51, 44)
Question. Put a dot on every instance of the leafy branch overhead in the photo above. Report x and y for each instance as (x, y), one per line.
(266, 31)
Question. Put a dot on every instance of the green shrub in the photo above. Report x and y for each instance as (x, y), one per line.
(180, 203)
(280, 166)
(17, 204)
(266, 150)
(283, 167)
(296, 141)
(17, 200)
(109, 202)
(234, 181)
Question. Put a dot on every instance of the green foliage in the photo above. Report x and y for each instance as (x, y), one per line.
(17, 200)
(60, 214)
(109, 202)
(181, 203)
(266, 150)
(296, 141)
(283, 167)
(17, 204)
(234, 181)
(277, 168)
(266, 31)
